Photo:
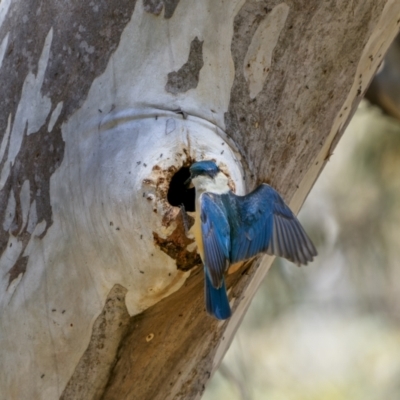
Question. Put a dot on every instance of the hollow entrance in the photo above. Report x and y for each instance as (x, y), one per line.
(180, 194)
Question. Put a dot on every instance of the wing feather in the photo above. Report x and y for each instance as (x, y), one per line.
(216, 238)
(262, 222)
(292, 252)
(282, 238)
(306, 247)
(296, 251)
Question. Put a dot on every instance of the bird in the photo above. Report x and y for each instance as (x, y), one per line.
(229, 228)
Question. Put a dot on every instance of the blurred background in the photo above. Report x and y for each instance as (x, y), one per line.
(331, 330)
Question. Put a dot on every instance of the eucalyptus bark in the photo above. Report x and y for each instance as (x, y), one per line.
(101, 291)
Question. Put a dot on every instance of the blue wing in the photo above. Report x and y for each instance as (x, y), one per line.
(216, 238)
(262, 222)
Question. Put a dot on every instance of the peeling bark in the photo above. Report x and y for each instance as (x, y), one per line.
(187, 77)
(36, 77)
(156, 6)
(91, 374)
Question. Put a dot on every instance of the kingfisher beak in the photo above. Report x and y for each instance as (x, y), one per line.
(188, 183)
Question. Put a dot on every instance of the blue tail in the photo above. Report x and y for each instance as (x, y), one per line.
(217, 303)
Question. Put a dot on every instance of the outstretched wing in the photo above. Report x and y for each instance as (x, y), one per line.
(216, 237)
(266, 224)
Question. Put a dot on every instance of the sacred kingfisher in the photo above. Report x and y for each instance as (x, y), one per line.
(230, 228)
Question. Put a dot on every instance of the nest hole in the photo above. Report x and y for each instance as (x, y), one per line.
(179, 193)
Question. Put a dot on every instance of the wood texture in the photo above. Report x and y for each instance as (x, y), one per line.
(92, 109)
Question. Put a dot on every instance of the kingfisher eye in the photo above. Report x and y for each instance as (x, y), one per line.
(212, 173)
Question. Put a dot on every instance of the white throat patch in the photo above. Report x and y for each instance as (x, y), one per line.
(217, 185)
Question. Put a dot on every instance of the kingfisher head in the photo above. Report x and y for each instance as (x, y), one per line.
(206, 176)
(204, 168)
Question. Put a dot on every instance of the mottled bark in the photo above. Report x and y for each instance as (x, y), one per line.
(102, 103)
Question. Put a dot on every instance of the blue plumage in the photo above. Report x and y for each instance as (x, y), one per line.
(217, 303)
(215, 231)
(236, 228)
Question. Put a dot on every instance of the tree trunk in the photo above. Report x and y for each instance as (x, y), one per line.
(102, 102)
